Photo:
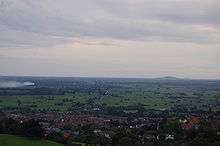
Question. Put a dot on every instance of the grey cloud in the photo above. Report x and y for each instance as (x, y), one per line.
(11, 38)
(49, 22)
(184, 11)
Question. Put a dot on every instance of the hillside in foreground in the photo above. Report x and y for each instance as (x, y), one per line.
(11, 140)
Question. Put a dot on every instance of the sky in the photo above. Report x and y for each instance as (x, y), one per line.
(110, 38)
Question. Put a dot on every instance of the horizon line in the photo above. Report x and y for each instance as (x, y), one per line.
(110, 77)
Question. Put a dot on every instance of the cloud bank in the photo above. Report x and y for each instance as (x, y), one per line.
(114, 38)
(48, 22)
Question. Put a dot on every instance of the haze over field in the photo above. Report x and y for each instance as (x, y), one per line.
(14, 84)
(110, 38)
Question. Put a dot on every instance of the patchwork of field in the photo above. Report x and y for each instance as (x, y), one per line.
(89, 93)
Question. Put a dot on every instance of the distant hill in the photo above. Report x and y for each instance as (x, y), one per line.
(170, 78)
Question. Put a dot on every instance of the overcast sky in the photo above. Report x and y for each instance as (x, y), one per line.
(110, 38)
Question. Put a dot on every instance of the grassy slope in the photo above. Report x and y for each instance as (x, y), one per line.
(11, 140)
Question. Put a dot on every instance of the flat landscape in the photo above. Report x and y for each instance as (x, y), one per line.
(67, 94)
(109, 111)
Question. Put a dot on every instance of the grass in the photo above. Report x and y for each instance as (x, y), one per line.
(12, 140)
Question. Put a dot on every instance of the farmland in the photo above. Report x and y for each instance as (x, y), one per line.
(105, 111)
(65, 94)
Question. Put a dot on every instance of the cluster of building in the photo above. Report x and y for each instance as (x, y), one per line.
(148, 129)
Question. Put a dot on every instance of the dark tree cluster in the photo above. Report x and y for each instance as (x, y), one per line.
(30, 128)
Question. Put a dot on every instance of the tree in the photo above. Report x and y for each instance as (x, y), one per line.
(31, 128)
(125, 141)
(200, 142)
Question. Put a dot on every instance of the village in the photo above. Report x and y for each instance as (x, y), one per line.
(75, 129)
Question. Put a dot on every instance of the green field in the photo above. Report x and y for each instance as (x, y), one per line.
(11, 140)
(150, 97)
